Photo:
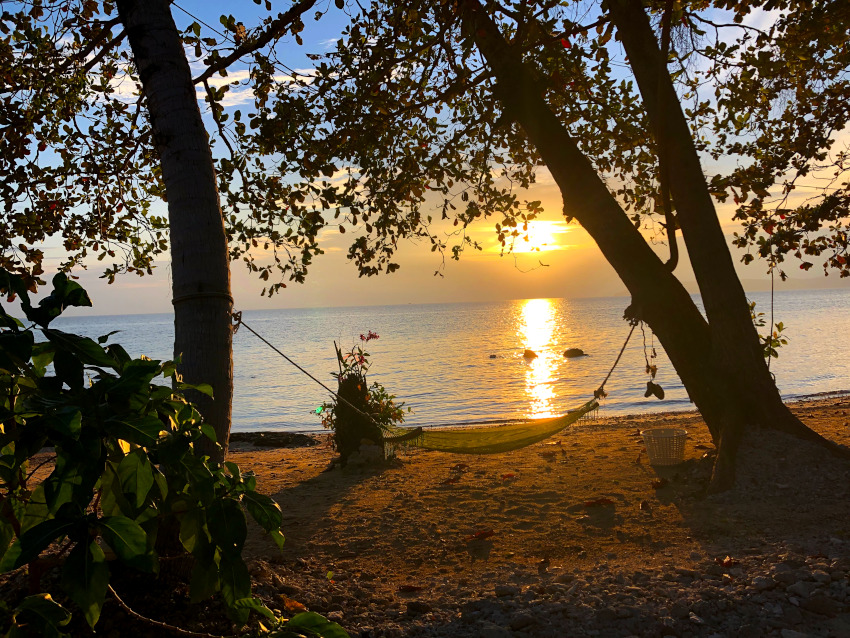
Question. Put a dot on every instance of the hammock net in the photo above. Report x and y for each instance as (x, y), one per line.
(484, 440)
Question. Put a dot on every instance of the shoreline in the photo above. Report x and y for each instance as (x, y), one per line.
(301, 438)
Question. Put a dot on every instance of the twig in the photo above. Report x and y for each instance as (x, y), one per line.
(162, 625)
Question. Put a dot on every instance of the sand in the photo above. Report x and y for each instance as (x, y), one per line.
(541, 541)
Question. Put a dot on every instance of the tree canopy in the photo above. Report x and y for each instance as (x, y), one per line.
(400, 126)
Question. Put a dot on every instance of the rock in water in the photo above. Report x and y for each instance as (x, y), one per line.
(529, 354)
(571, 353)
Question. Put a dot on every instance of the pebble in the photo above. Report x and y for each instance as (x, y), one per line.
(506, 590)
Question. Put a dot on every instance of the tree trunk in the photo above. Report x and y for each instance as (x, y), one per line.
(718, 361)
(199, 257)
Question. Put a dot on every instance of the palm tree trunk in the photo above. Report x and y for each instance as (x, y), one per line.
(199, 256)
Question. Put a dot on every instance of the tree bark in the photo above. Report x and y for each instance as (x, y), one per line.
(736, 349)
(719, 361)
(199, 256)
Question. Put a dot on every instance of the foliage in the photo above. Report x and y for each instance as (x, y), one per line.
(774, 339)
(400, 132)
(374, 401)
(78, 153)
(421, 144)
(123, 468)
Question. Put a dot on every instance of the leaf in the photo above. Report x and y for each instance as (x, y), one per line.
(264, 510)
(193, 532)
(278, 538)
(87, 350)
(31, 543)
(312, 622)
(203, 388)
(129, 541)
(67, 421)
(7, 534)
(254, 604)
(42, 616)
(481, 535)
(136, 475)
(85, 578)
(291, 606)
(104, 338)
(113, 501)
(227, 526)
(143, 430)
(235, 583)
(599, 502)
(204, 582)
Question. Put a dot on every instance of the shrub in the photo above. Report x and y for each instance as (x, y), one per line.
(124, 470)
(358, 411)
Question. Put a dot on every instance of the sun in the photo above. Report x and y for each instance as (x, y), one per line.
(541, 236)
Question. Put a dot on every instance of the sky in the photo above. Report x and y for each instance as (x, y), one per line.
(560, 261)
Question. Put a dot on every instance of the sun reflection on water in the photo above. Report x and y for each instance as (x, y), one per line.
(536, 332)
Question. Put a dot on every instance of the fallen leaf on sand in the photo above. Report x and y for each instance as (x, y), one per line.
(406, 589)
(599, 502)
(482, 535)
(658, 483)
(292, 606)
(505, 477)
(726, 562)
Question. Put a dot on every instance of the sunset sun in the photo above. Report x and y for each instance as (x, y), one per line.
(541, 236)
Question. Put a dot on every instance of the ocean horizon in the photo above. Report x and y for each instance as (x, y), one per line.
(462, 363)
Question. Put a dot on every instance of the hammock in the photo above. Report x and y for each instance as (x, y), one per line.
(485, 440)
(490, 440)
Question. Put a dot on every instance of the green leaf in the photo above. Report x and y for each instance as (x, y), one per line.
(129, 541)
(204, 581)
(87, 350)
(264, 510)
(227, 525)
(69, 368)
(136, 475)
(235, 583)
(193, 530)
(41, 616)
(313, 623)
(67, 421)
(85, 578)
(18, 345)
(203, 388)
(209, 432)
(104, 338)
(254, 604)
(278, 538)
(31, 543)
(142, 430)
(7, 534)
(113, 501)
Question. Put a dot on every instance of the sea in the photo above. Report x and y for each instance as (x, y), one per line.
(464, 363)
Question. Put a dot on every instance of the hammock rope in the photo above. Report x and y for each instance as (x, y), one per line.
(463, 440)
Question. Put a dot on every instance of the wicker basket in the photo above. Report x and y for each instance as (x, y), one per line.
(665, 446)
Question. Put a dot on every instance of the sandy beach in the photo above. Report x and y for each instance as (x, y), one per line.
(575, 536)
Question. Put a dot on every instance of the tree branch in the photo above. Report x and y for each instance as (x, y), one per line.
(274, 30)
